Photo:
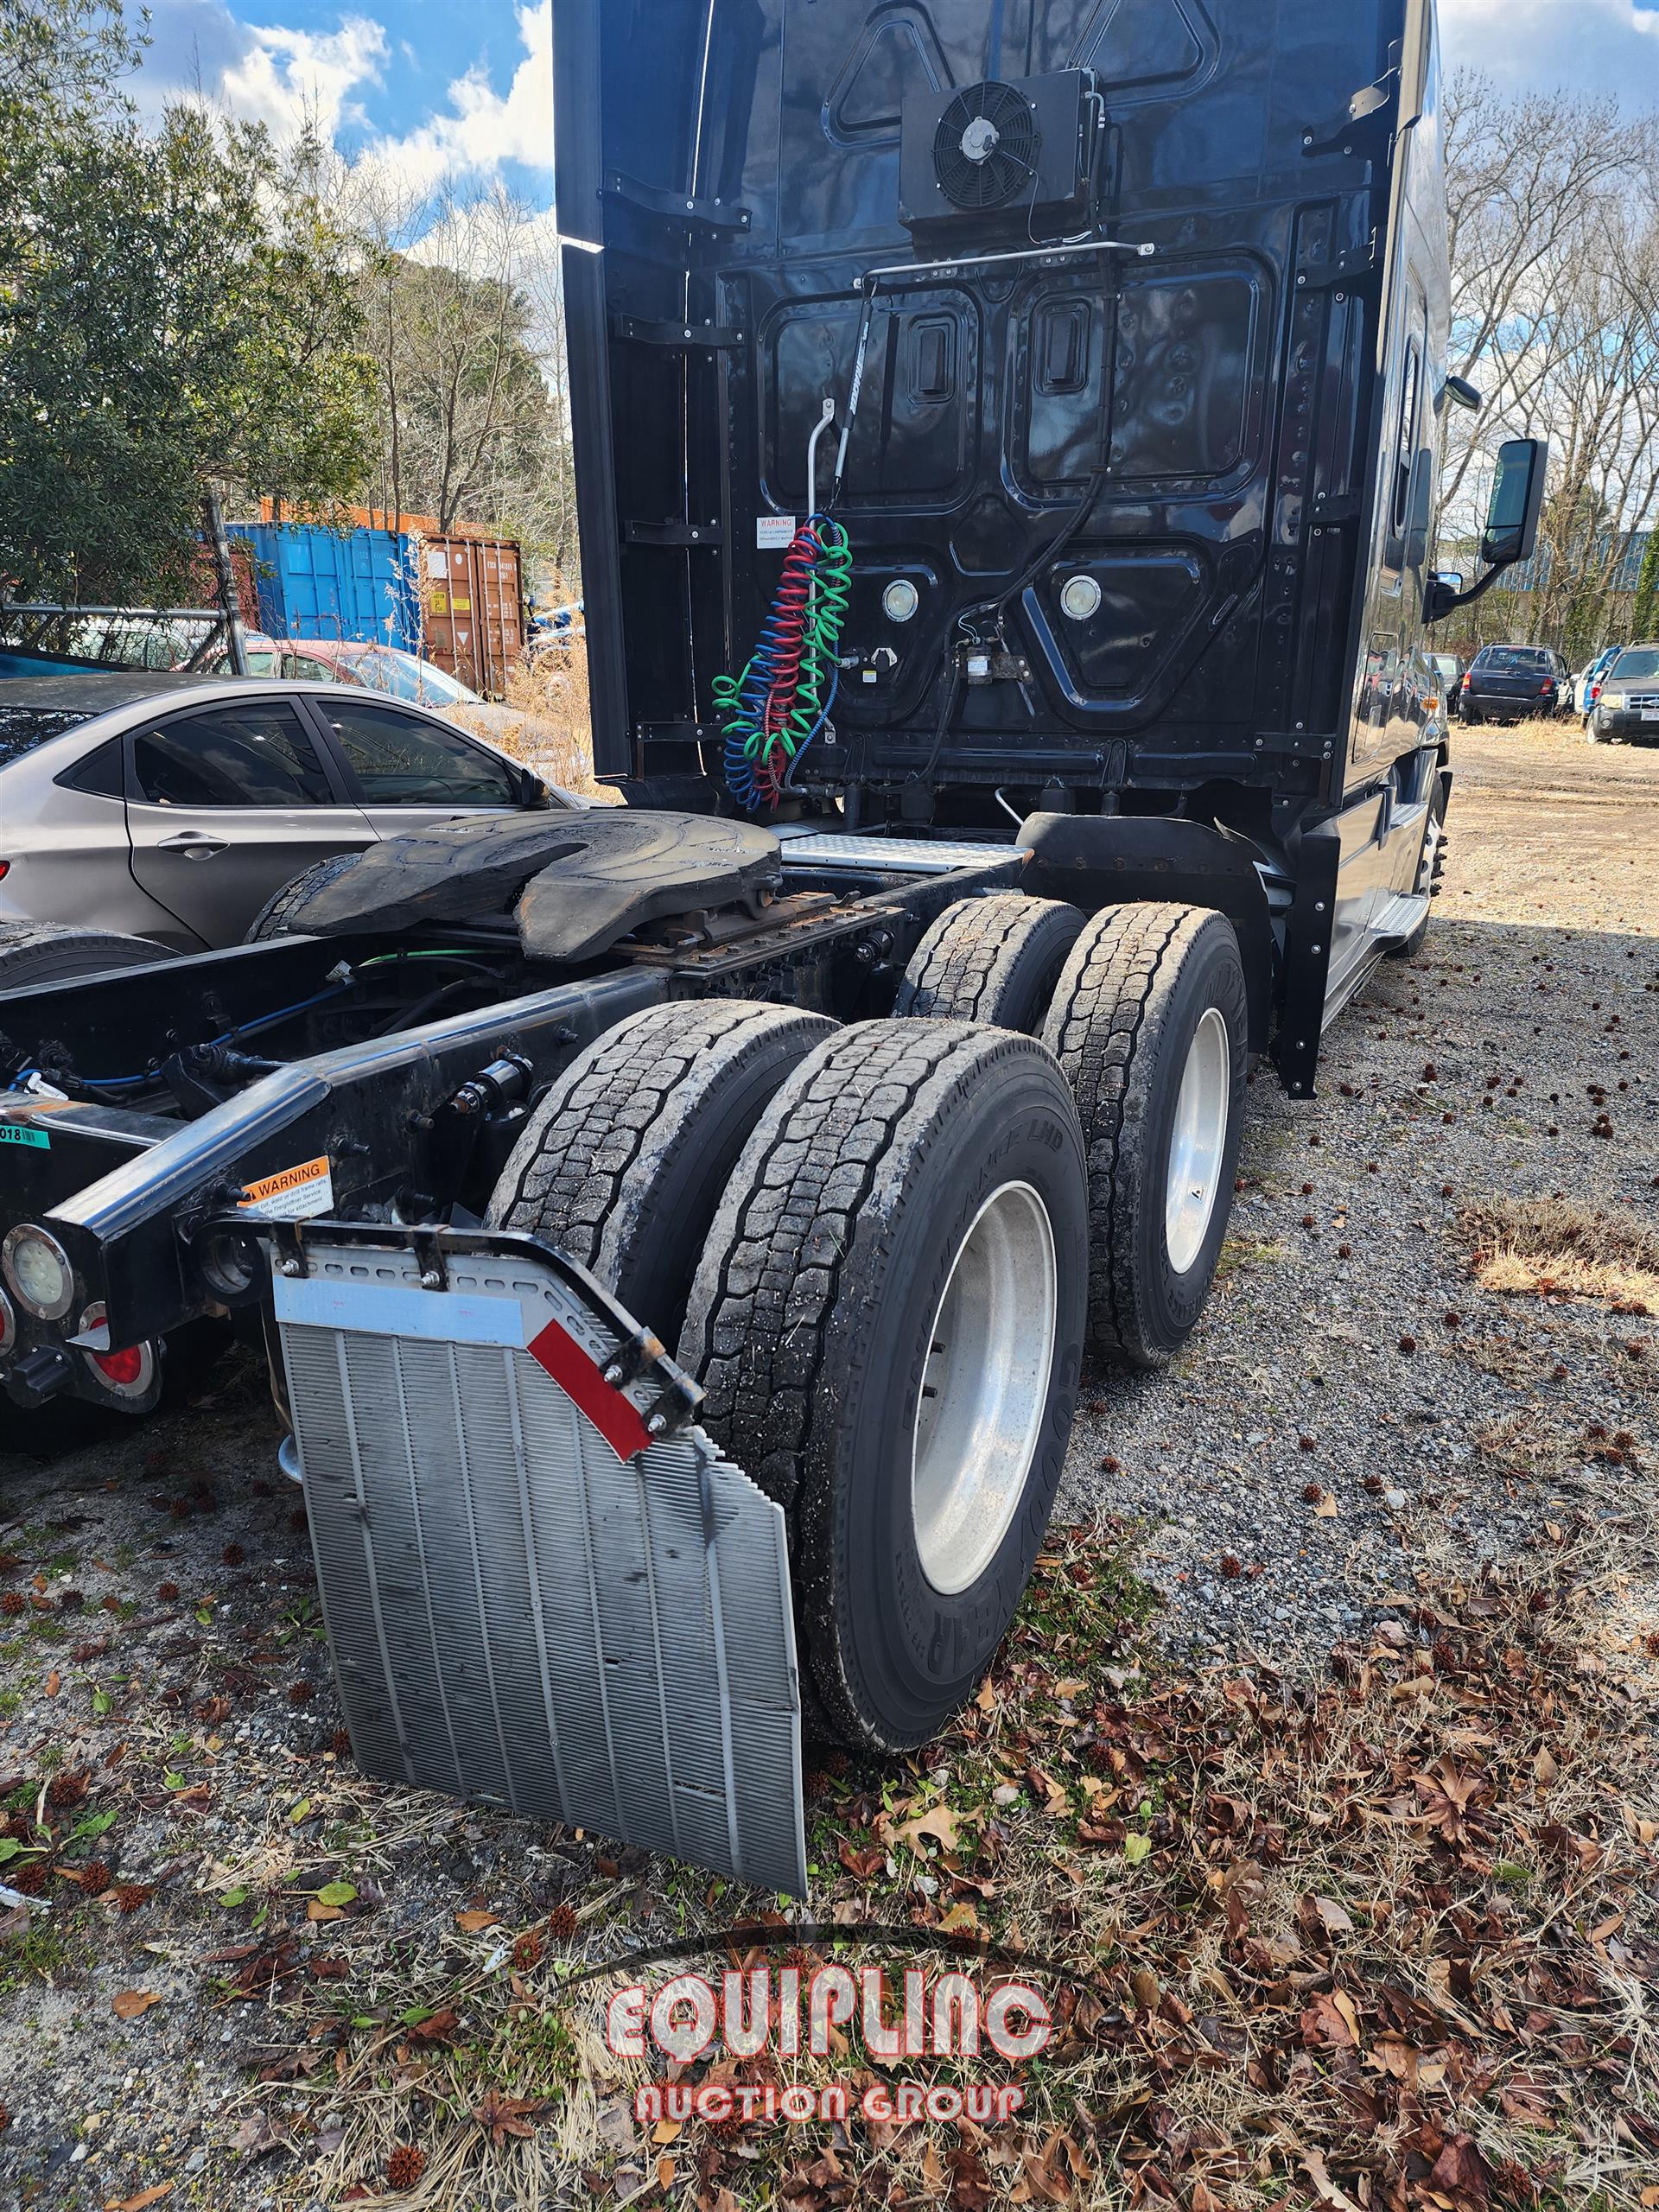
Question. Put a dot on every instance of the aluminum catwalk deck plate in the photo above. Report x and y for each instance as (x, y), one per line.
(533, 1600)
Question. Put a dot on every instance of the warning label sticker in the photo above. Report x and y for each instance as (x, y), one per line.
(296, 1194)
(774, 533)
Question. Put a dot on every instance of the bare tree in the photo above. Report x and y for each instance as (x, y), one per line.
(1556, 252)
(463, 302)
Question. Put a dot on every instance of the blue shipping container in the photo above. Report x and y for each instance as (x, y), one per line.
(314, 583)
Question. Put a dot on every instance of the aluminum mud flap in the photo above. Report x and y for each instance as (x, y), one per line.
(544, 1590)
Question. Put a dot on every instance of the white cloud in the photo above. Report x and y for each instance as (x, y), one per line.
(290, 77)
(1609, 48)
(270, 72)
(482, 128)
(262, 74)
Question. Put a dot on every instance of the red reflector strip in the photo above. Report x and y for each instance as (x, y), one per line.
(617, 1421)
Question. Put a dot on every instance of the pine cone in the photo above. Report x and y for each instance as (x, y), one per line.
(405, 2165)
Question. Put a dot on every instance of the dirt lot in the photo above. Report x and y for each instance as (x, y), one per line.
(1324, 1753)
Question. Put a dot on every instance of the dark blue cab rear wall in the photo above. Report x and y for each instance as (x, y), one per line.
(1234, 440)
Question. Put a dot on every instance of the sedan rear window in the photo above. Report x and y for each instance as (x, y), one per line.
(22, 728)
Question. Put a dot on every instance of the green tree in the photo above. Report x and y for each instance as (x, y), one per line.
(174, 314)
(1644, 620)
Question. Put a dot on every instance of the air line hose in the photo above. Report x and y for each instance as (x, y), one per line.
(773, 712)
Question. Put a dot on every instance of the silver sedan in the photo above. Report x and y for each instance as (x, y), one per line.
(172, 807)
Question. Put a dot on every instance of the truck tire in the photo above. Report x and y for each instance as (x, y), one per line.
(48, 952)
(276, 917)
(994, 959)
(888, 1323)
(1150, 1023)
(624, 1162)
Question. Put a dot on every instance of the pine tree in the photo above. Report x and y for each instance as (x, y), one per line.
(1645, 620)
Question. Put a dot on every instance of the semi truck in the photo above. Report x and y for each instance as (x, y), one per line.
(1008, 444)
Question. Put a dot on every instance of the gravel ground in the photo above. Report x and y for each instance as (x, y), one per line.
(164, 1655)
(1296, 1395)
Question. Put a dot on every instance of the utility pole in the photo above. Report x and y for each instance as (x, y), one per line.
(226, 576)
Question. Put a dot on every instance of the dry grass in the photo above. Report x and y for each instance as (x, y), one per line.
(556, 737)
(1555, 1247)
(1390, 1942)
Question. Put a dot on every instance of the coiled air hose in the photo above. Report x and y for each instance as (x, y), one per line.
(773, 712)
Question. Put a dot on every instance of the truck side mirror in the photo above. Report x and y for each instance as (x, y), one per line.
(1512, 532)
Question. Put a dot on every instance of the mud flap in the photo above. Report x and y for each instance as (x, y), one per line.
(543, 1587)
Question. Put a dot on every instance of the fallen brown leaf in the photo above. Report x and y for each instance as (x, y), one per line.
(938, 1821)
(504, 2117)
(128, 2004)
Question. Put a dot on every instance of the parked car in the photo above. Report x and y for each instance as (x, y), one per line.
(1587, 687)
(174, 807)
(1449, 669)
(1627, 708)
(1514, 683)
(369, 667)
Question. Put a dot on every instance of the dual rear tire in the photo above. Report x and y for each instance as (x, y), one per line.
(1145, 1009)
(873, 1248)
(879, 1239)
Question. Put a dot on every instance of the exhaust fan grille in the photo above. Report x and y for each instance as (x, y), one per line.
(986, 148)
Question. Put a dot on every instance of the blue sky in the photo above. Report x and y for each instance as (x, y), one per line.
(461, 86)
(435, 87)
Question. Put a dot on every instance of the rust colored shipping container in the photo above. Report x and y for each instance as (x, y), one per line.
(472, 604)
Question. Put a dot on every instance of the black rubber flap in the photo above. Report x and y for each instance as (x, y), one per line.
(591, 877)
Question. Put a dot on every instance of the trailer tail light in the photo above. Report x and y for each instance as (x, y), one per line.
(122, 1368)
(132, 1377)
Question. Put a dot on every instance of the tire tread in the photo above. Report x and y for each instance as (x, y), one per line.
(977, 954)
(273, 918)
(612, 1113)
(1107, 1015)
(808, 1205)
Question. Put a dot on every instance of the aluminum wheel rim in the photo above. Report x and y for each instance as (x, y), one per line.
(984, 1388)
(1199, 1140)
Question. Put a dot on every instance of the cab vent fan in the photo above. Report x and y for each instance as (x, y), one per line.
(986, 149)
